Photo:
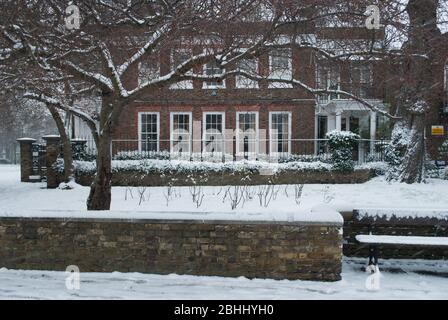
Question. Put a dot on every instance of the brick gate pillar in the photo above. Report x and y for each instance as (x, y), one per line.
(26, 158)
(52, 151)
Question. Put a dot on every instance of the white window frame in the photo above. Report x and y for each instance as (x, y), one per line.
(327, 85)
(223, 123)
(185, 84)
(205, 85)
(140, 129)
(280, 85)
(238, 133)
(289, 113)
(172, 127)
(240, 78)
(361, 83)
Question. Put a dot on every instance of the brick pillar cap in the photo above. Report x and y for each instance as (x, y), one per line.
(31, 140)
(51, 137)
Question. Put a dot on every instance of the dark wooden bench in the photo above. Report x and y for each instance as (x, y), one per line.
(376, 240)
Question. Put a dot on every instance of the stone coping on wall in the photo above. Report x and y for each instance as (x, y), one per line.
(26, 140)
(319, 216)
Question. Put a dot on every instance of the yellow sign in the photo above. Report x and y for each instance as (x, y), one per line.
(437, 130)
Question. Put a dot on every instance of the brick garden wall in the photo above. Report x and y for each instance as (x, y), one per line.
(230, 248)
(430, 227)
(224, 179)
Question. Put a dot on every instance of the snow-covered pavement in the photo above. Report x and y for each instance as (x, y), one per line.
(19, 284)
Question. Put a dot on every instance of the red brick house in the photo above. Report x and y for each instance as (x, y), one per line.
(242, 117)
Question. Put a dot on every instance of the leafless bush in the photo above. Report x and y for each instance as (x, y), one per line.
(266, 193)
(235, 194)
(141, 191)
(169, 193)
(128, 189)
(197, 195)
(298, 188)
(285, 191)
(249, 193)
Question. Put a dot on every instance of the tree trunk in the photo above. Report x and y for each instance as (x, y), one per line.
(417, 89)
(66, 145)
(101, 188)
(412, 168)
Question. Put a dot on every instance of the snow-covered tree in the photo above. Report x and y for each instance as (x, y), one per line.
(416, 97)
(115, 37)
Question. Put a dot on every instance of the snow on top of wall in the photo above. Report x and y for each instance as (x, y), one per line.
(318, 214)
(51, 136)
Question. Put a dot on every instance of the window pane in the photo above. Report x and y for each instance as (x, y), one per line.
(148, 71)
(178, 57)
(247, 132)
(280, 132)
(149, 132)
(212, 69)
(280, 67)
(249, 66)
(181, 133)
(214, 140)
(328, 77)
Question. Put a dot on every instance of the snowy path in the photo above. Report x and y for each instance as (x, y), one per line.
(17, 284)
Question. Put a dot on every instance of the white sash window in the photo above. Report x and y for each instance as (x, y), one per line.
(149, 131)
(280, 132)
(213, 132)
(247, 133)
(181, 129)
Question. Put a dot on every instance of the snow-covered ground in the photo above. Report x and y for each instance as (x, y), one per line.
(31, 198)
(34, 199)
(405, 284)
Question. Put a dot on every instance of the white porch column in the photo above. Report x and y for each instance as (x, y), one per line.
(372, 130)
(338, 121)
(347, 123)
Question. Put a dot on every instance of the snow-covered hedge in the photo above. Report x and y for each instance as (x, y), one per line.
(379, 168)
(435, 172)
(443, 149)
(181, 166)
(79, 151)
(210, 157)
(341, 145)
(165, 155)
(304, 158)
(141, 155)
